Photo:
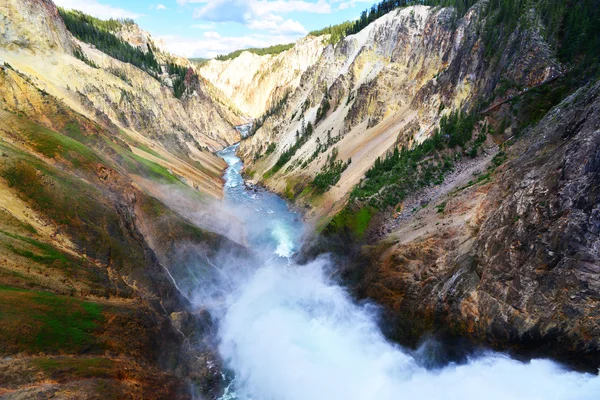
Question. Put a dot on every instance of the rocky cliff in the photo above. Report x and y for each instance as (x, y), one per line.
(512, 260)
(470, 186)
(142, 107)
(391, 83)
(255, 83)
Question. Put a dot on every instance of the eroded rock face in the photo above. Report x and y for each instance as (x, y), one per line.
(523, 268)
(406, 69)
(35, 41)
(254, 82)
(32, 25)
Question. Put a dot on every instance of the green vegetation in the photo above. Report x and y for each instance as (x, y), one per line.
(54, 145)
(330, 174)
(322, 147)
(440, 208)
(276, 49)
(273, 110)
(270, 148)
(323, 109)
(483, 178)
(531, 107)
(356, 222)
(402, 172)
(49, 253)
(82, 210)
(80, 55)
(181, 73)
(51, 324)
(336, 32)
(138, 165)
(571, 26)
(301, 138)
(340, 31)
(101, 34)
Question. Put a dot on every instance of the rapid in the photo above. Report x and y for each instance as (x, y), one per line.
(290, 332)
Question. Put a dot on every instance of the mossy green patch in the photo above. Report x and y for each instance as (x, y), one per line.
(55, 145)
(154, 171)
(355, 222)
(44, 322)
(48, 254)
(93, 367)
(139, 165)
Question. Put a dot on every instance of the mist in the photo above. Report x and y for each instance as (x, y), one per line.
(290, 332)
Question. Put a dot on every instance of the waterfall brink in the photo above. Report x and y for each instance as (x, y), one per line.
(288, 332)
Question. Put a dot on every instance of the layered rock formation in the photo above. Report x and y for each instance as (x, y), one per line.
(390, 83)
(143, 108)
(255, 83)
(513, 261)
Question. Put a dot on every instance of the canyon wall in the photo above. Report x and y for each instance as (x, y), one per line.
(93, 152)
(255, 83)
(389, 84)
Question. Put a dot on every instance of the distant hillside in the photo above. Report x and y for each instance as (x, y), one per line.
(276, 49)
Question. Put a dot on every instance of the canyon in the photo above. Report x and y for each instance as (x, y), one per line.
(452, 180)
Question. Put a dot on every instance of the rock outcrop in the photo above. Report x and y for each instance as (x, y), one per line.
(513, 262)
(142, 108)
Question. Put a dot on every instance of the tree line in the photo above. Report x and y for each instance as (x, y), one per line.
(276, 49)
(571, 26)
(100, 34)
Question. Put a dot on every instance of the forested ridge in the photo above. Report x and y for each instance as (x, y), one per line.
(102, 35)
(276, 49)
(571, 26)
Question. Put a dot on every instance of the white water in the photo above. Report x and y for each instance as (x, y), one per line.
(289, 333)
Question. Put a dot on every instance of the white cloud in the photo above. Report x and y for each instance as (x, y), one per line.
(212, 35)
(291, 26)
(262, 7)
(276, 25)
(351, 3)
(260, 14)
(160, 7)
(99, 10)
(246, 10)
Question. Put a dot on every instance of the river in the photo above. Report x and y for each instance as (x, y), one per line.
(288, 332)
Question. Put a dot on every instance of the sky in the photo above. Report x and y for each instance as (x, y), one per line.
(207, 28)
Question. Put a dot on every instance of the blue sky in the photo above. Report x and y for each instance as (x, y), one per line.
(206, 28)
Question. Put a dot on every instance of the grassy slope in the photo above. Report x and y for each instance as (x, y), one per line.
(71, 179)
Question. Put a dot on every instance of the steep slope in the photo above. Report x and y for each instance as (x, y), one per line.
(389, 84)
(91, 151)
(91, 255)
(255, 83)
(511, 259)
(142, 107)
